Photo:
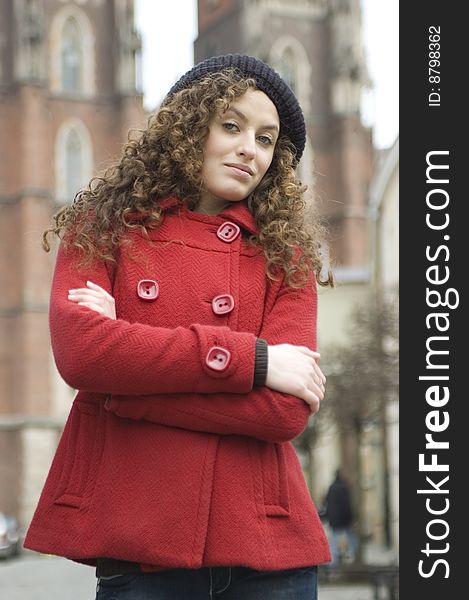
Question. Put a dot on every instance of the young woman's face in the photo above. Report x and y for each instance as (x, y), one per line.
(238, 151)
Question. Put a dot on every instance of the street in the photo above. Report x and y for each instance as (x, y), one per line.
(34, 577)
(37, 577)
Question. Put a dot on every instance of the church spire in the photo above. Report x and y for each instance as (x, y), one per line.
(349, 71)
(129, 48)
(30, 40)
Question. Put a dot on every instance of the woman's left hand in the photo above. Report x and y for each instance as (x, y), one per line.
(96, 298)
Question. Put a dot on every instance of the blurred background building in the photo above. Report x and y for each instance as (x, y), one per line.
(69, 93)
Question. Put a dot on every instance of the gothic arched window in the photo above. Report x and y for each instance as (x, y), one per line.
(72, 52)
(72, 57)
(73, 160)
(73, 164)
(289, 57)
(288, 67)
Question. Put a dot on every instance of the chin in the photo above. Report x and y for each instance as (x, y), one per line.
(233, 196)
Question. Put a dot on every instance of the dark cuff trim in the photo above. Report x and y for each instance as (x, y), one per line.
(261, 363)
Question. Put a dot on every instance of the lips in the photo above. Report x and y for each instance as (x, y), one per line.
(240, 167)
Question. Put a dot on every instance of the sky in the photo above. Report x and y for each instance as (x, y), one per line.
(169, 28)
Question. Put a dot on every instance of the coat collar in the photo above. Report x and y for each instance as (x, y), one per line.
(237, 212)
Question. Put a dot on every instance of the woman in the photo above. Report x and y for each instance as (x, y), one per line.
(183, 309)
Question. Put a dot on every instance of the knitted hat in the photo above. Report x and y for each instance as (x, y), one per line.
(292, 121)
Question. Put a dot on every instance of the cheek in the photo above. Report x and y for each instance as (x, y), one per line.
(265, 164)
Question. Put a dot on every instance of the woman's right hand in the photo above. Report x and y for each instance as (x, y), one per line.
(96, 298)
(294, 370)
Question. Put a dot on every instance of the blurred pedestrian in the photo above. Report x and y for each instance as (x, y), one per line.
(338, 512)
(183, 310)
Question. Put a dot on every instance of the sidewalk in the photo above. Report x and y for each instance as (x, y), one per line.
(342, 592)
(373, 555)
(36, 577)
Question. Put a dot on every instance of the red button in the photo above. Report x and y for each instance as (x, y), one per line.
(218, 358)
(147, 289)
(228, 231)
(222, 305)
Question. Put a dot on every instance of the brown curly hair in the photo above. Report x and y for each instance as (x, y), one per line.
(166, 159)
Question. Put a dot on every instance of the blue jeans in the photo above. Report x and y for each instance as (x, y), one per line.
(211, 583)
(336, 535)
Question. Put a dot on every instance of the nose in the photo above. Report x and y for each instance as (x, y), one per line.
(247, 145)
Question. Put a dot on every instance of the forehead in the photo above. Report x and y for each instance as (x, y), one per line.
(256, 105)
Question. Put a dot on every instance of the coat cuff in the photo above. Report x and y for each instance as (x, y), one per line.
(261, 362)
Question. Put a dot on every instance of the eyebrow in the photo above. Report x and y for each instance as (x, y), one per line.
(244, 118)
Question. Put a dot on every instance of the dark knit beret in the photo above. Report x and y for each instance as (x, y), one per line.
(292, 121)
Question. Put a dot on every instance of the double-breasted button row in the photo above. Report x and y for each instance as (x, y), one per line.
(148, 289)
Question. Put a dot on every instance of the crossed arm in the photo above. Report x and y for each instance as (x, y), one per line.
(278, 411)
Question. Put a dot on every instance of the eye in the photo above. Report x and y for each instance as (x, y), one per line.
(230, 126)
(266, 140)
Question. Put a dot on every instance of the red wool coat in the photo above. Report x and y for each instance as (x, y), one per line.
(169, 458)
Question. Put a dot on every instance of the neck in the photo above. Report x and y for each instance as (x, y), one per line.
(210, 210)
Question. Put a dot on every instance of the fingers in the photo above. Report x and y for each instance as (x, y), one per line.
(91, 289)
(91, 293)
(84, 295)
(317, 389)
(315, 356)
(321, 378)
(94, 286)
(314, 407)
(294, 370)
(309, 352)
(93, 306)
(95, 298)
(307, 368)
(311, 400)
(315, 373)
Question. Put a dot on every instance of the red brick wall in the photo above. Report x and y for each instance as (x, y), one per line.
(30, 117)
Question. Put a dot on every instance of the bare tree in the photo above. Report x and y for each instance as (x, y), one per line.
(362, 375)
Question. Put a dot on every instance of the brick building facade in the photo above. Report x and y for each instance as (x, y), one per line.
(68, 97)
(316, 45)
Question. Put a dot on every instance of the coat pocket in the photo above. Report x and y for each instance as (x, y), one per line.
(83, 439)
(275, 481)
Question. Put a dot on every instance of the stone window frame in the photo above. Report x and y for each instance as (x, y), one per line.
(88, 43)
(302, 75)
(60, 163)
